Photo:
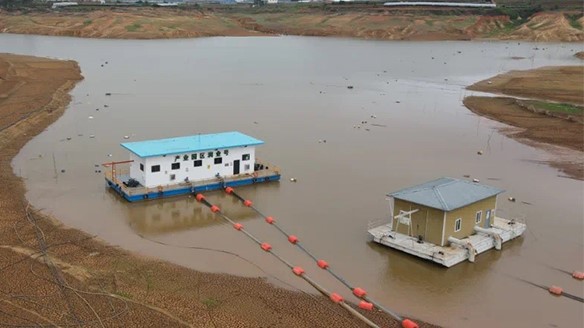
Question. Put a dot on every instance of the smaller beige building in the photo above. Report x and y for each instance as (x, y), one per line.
(442, 208)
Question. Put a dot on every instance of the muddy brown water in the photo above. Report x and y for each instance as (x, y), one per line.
(292, 92)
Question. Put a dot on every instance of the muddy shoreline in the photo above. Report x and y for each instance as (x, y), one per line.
(553, 120)
(364, 22)
(71, 278)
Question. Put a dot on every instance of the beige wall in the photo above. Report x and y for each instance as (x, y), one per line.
(468, 214)
(427, 222)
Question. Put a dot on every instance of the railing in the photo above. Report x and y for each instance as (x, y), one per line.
(376, 223)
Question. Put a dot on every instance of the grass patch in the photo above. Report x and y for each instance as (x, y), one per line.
(211, 303)
(87, 22)
(573, 20)
(123, 294)
(558, 107)
(133, 27)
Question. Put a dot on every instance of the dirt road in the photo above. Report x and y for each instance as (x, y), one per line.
(56, 276)
(555, 118)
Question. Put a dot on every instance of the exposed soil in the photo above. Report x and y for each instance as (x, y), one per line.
(580, 55)
(536, 124)
(369, 22)
(56, 276)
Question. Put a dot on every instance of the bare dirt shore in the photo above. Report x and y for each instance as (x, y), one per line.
(52, 275)
(556, 118)
(359, 21)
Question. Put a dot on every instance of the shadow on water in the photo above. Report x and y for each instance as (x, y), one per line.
(182, 213)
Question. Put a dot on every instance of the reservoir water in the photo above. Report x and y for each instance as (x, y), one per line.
(292, 92)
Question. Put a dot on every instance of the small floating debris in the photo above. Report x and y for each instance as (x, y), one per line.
(349, 87)
(293, 180)
(489, 82)
(511, 199)
(398, 102)
(373, 116)
(466, 175)
(63, 171)
(126, 137)
(480, 152)
(109, 155)
(90, 117)
(108, 93)
(68, 138)
(91, 136)
(105, 106)
(476, 180)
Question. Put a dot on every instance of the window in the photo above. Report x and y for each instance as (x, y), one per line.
(218, 160)
(217, 153)
(478, 216)
(193, 156)
(185, 157)
(172, 177)
(198, 163)
(141, 167)
(202, 155)
(457, 224)
(155, 168)
(210, 154)
(175, 166)
(245, 157)
(226, 152)
(246, 167)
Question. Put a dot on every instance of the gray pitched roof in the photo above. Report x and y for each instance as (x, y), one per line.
(446, 194)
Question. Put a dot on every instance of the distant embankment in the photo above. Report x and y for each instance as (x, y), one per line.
(439, 4)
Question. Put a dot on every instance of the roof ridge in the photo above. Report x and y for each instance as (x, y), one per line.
(440, 198)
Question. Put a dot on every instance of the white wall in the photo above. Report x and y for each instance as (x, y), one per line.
(135, 171)
(187, 169)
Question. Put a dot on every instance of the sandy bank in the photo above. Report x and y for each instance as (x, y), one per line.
(367, 22)
(70, 278)
(555, 118)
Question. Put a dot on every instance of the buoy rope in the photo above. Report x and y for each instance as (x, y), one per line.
(325, 266)
(266, 247)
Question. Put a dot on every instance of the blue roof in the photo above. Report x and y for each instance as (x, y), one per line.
(446, 194)
(190, 144)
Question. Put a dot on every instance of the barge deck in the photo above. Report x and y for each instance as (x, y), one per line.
(501, 231)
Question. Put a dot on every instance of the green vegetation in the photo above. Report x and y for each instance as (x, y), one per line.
(557, 107)
(123, 294)
(87, 22)
(573, 19)
(133, 27)
(211, 303)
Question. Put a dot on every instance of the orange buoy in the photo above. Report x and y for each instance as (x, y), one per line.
(238, 226)
(359, 292)
(298, 271)
(322, 264)
(247, 203)
(366, 305)
(556, 290)
(292, 239)
(215, 209)
(228, 190)
(407, 323)
(270, 219)
(266, 247)
(199, 197)
(578, 275)
(336, 298)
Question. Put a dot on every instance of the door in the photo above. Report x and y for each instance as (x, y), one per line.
(236, 167)
(488, 219)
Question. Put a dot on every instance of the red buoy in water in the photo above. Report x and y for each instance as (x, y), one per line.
(407, 323)
(199, 197)
(238, 226)
(298, 271)
(556, 290)
(292, 239)
(266, 247)
(228, 190)
(247, 203)
(215, 209)
(336, 298)
(366, 305)
(359, 292)
(578, 275)
(270, 219)
(322, 264)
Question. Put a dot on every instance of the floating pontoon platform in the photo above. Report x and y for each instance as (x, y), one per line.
(501, 231)
(118, 181)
